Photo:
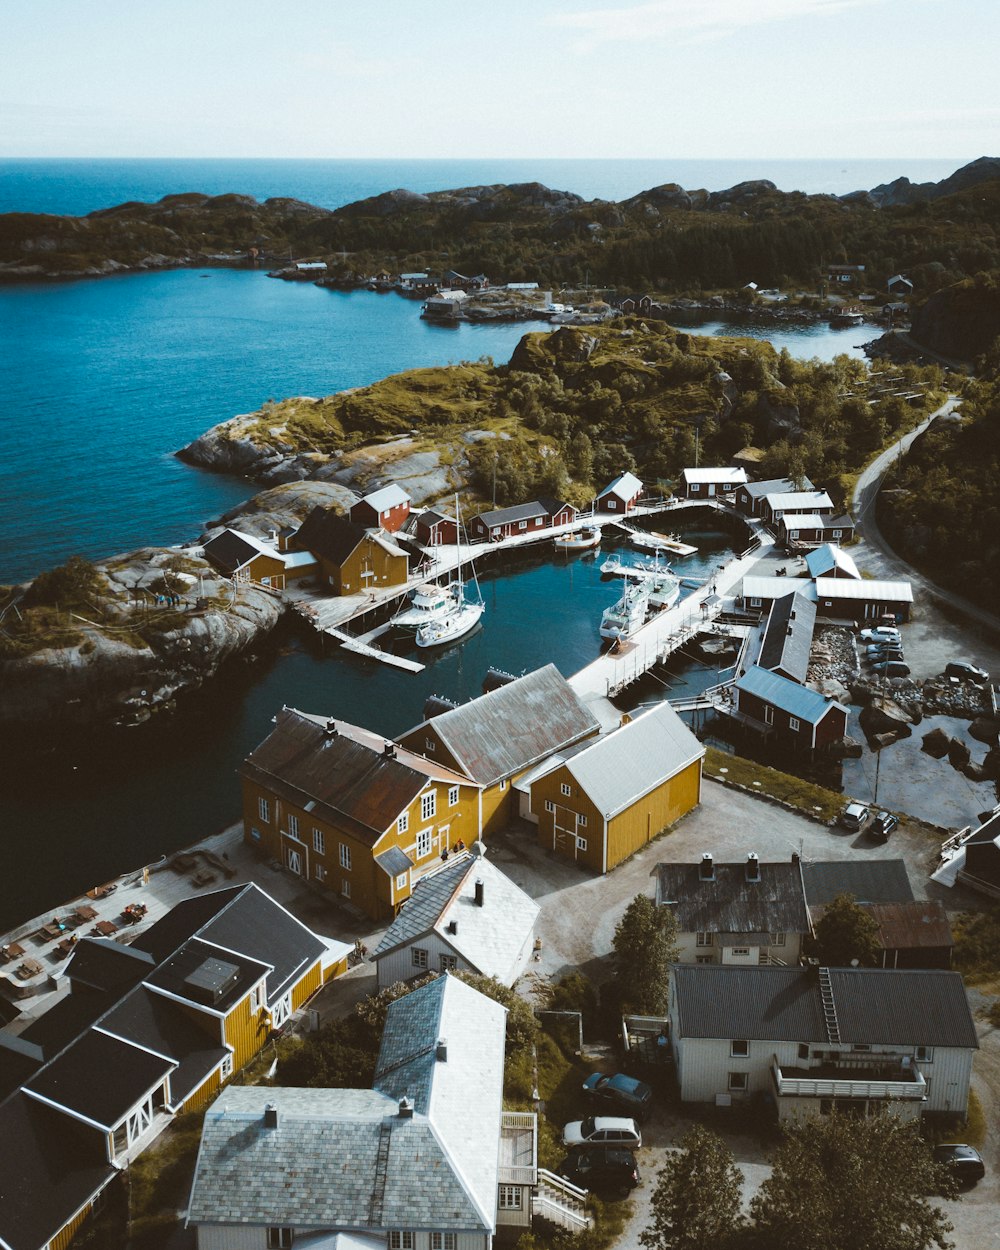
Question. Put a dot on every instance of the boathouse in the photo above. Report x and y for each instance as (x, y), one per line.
(786, 712)
(522, 518)
(247, 559)
(785, 639)
(749, 497)
(797, 530)
(434, 529)
(601, 801)
(351, 559)
(712, 483)
(845, 599)
(387, 509)
(619, 496)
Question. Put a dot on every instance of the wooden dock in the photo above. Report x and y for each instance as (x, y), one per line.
(358, 647)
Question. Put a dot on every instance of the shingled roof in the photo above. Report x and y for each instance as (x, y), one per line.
(730, 902)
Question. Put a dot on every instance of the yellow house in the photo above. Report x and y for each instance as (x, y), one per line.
(351, 559)
(495, 739)
(602, 801)
(363, 817)
(246, 558)
(147, 1030)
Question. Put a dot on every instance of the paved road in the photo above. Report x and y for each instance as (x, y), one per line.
(889, 563)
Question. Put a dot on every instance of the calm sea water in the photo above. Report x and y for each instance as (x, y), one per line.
(81, 186)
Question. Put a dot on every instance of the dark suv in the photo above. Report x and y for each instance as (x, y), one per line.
(611, 1168)
(965, 671)
(622, 1093)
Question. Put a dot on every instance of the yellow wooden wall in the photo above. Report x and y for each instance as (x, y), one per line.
(641, 822)
(389, 569)
(246, 1031)
(204, 1093)
(308, 985)
(65, 1235)
(549, 789)
(262, 566)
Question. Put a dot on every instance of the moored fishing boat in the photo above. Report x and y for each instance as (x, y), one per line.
(579, 540)
(427, 603)
(663, 585)
(624, 617)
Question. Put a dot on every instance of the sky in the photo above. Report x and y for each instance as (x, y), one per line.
(499, 78)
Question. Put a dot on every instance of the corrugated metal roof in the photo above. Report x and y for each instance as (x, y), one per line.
(626, 486)
(725, 473)
(813, 521)
(927, 1007)
(514, 726)
(801, 500)
(871, 590)
(519, 512)
(618, 768)
(788, 636)
(774, 486)
(799, 701)
(924, 922)
(868, 880)
(775, 587)
(830, 556)
(385, 498)
(730, 903)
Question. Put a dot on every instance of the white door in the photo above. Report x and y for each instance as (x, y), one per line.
(711, 489)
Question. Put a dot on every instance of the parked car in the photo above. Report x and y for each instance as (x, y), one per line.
(881, 633)
(965, 671)
(884, 653)
(855, 816)
(623, 1093)
(879, 649)
(891, 668)
(965, 1161)
(602, 1168)
(603, 1130)
(882, 826)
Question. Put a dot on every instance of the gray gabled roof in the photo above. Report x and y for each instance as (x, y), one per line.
(868, 880)
(874, 1006)
(821, 561)
(620, 767)
(787, 636)
(490, 938)
(774, 486)
(730, 903)
(514, 726)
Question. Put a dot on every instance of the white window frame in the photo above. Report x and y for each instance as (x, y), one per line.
(503, 785)
(924, 1054)
(776, 939)
(581, 844)
(509, 1198)
(319, 872)
(581, 820)
(428, 805)
(704, 939)
(838, 533)
(401, 880)
(226, 1071)
(756, 602)
(418, 957)
(401, 1240)
(319, 841)
(522, 525)
(293, 825)
(403, 822)
(430, 744)
(345, 887)
(566, 790)
(425, 843)
(264, 809)
(794, 724)
(704, 959)
(739, 1048)
(549, 805)
(768, 714)
(345, 857)
(453, 793)
(444, 1241)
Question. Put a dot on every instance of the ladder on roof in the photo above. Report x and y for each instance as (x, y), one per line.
(381, 1171)
(829, 1006)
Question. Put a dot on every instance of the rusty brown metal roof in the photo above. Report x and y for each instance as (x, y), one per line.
(906, 925)
(346, 782)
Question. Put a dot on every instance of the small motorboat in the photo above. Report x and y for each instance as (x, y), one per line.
(579, 540)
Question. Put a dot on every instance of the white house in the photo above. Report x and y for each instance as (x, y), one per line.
(810, 1040)
(466, 916)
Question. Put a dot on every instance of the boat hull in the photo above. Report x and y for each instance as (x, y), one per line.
(455, 625)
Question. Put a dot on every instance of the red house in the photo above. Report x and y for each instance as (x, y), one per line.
(433, 529)
(522, 518)
(387, 508)
(619, 496)
(790, 714)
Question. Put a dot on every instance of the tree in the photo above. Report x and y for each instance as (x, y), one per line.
(847, 932)
(645, 945)
(842, 1182)
(697, 1201)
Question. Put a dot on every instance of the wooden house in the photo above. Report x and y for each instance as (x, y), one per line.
(386, 509)
(466, 916)
(600, 802)
(619, 496)
(522, 518)
(863, 600)
(845, 273)
(247, 559)
(784, 638)
(425, 1160)
(359, 816)
(815, 1040)
(146, 1031)
(495, 739)
(749, 497)
(899, 285)
(742, 914)
(796, 503)
(798, 530)
(434, 529)
(712, 483)
(786, 712)
(350, 559)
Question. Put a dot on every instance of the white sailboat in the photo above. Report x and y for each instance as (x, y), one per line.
(462, 616)
(428, 603)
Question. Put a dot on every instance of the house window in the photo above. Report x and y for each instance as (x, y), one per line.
(756, 602)
(345, 888)
(444, 1241)
(503, 785)
(924, 1053)
(860, 1046)
(737, 1081)
(257, 997)
(704, 939)
(319, 841)
(429, 744)
(509, 1197)
(428, 805)
(739, 1049)
(793, 534)
(345, 856)
(293, 825)
(566, 790)
(255, 834)
(768, 715)
(453, 796)
(418, 956)
(776, 939)
(226, 1071)
(581, 844)
(704, 959)
(423, 843)
(739, 952)
(837, 533)
(803, 1050)
(403, 823)
(319, 871)
(793, 724)
(401, 1241)
(279, 1238)
(695, 488)
(549, 805)
(401, 881)
(264, 810)
(449, 963)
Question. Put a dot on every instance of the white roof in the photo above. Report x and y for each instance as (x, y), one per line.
(625, 486)
(448, 297)
(843, 588)
(800, 500)
(296, 559)
(777, 587)
(620, 767)
(830, 556)
(385, 498)
(807, 521)
(725, 473)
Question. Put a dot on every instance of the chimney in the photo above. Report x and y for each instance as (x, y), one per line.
(753, 867)
(795, 857)
(706, 869)
(270, 1116)
(479, 891)
(441, 1050)
(452, 926)
(331, 728)
(389, 751)
(405, 1108)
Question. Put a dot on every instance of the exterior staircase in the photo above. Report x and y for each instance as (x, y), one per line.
(556, 1200)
